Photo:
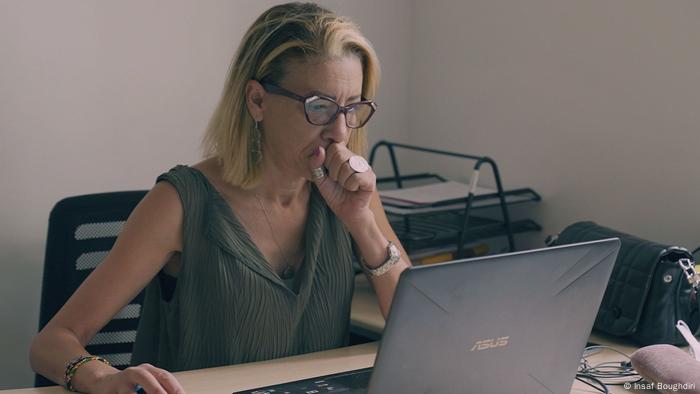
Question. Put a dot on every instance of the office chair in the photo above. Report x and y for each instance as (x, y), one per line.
(82, 230)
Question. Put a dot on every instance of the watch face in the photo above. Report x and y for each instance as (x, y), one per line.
(394, 253)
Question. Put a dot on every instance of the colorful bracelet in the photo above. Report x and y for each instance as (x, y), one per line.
(73, 366)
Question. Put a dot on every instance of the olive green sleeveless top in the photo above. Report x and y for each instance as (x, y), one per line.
(229, 306)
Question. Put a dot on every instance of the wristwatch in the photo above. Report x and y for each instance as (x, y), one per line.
(394, 256)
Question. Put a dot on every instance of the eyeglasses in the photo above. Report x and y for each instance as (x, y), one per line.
(322, 110)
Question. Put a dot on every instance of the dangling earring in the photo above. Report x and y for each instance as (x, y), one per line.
(257, 137)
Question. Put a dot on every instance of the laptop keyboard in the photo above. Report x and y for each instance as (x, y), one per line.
(352, 382)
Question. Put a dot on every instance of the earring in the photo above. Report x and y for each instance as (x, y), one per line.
(257, 151)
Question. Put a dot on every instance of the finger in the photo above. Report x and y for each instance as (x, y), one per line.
(316, 161)
(141, 376)
(367, 181)
(336, 162)
(332, 151)
(353, 182)
(345, 173)
(166, 379)
(333, 158)
(324, 184)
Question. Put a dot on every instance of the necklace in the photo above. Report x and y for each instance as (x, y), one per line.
(288, 271)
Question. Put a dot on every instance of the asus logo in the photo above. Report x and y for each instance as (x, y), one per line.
(490, 343)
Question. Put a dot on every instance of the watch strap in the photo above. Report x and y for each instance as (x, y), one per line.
(394, 257)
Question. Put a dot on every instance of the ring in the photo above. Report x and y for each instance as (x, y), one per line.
(138, 389)
(318, 173)
(358, 164)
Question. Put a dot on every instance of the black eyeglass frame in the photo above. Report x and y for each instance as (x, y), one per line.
(274, 89)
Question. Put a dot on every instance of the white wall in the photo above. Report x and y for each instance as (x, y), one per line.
(592, 103)
(102, 96)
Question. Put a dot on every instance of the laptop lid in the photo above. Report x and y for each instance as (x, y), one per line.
(512, 323)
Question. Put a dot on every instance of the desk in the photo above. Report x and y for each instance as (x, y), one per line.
(365, 315)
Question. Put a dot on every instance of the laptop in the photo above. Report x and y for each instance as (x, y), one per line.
(510, 323)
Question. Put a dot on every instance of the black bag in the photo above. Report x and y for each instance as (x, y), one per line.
(652, 286)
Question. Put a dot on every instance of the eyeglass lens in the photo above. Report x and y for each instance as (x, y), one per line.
(321, 111)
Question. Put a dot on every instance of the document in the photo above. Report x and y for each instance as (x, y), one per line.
(426, 195)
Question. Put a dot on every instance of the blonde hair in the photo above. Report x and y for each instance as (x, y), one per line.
(284, 32)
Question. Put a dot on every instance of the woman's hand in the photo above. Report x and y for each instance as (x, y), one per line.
(346, 191)
(153, 380)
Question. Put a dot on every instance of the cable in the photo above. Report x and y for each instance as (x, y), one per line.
(608, 373)
(600, 385)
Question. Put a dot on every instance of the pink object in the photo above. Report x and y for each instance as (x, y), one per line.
(358, 164)
(667, 369)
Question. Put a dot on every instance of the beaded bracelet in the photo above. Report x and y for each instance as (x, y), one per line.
(73, 366)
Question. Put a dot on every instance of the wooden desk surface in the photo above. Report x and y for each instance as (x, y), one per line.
(224, 380)
(365, 314)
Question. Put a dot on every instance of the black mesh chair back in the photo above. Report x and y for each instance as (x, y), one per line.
(82, 230)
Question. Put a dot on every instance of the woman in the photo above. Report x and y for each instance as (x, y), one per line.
(248, 254)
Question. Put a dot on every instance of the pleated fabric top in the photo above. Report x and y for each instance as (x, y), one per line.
(229, 306)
